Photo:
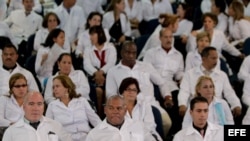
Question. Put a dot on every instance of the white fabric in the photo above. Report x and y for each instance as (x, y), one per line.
(246, 89)
(92, 63)
(109, 20)
(223, 88)
(79, 79)
(212, 115)
(135, 11)
(184, 28)
(10, 111)
(5, 76)
(169, 65)
(75, 117)
(71, 23)
(152, 11)
(213, 133)
(23, 26)
(22, 131)
(89, 6)
(41, 36)
(18, 4)
(5, 31)
(244, 71)
(130, 131)
(222, 22)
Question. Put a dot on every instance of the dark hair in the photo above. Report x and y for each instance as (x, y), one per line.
(10, 46)
(69, 84)
(46, 19)
(197, 99)
(49, 42)
(100, 34)
(220, 4)
(13, 80)
(210, 15)
(91, 15)
(205, 51)
(126, 82)
(188, 11)
(59, 59)
(128, 43)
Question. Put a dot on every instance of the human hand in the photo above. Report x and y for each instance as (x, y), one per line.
(168, 101)
(237, 111)
(182, 110)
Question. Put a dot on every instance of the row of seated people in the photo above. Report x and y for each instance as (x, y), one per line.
(146, 74)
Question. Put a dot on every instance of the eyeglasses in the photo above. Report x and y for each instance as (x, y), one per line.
(131, 90)
(19, 86)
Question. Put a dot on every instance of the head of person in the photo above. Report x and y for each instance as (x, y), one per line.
(129, 88)
(218, 6)
(166, 38)
(209, 20)
(50, 21)
(18, 85)
(203, 40)
(199, 111)
(56, 35)
(115, 110)
(236, 10)
(64, 63)
(129, 53)
(64, 87)
(9, 56)
(116, 5)
(205, 87)
(33, 106)
(28, 5)
(184, 11)
(69, 3)
(97, 35)
(94, 19)
(209, 57)
(171, 22)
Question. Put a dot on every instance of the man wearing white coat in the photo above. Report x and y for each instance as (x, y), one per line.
(201, 129)
(34, 126)
(116, 127)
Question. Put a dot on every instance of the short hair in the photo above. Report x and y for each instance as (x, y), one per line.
(26, 97)
(100, 34)
(197, 99)
(115, 97)
(169, 19)
(220, 4)
(69, 84)
(210, 15)
(128, 81)
(46, 19)
(90, 16)
(13, 80)
(49, 42)
(62, 55)
(205, 51)
(201, 35)
(10, 46)
(199, 81)
(128, 43)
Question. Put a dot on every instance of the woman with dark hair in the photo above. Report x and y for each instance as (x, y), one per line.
(64, 66)
(94, 19)
(97, 61)
(136, 108)
(70, 109)
(11, 104)
(47, 55)
(50, 22)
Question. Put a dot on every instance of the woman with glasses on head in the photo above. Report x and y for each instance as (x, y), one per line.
(136, 108)
(219, 111)
(11, 104)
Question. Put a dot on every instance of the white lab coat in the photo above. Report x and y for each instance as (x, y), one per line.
(18, 4)
(5, 31)
(75, 117)
(246, 89)
(22, 131)
(79, 79)
(130, 131)
(5, 76)
(244, 71)
(10, 111)
(213, 133)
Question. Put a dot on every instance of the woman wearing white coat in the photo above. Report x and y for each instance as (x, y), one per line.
(11, 104)
(64, 63)
(219, 111)
(137, 110)
(70, 109)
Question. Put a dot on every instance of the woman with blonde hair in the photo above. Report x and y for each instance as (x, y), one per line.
(11, 109)
(219, 111)
(70, 109)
